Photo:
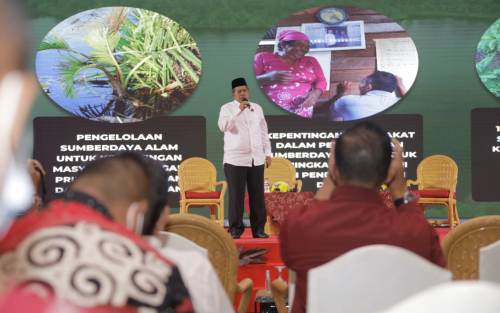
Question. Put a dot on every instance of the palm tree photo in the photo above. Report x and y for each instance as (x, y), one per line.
(118, 64)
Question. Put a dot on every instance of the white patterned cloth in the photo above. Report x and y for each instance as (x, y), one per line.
(202, 282)
(71, 253)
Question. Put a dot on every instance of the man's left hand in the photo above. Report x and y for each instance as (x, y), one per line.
(395, 176)
(268, 161)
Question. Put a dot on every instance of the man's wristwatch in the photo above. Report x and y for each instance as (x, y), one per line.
(407, 198)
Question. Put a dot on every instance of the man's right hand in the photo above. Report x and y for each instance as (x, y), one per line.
(244, 104)
(329, 183)
(395, 175)
(345, 87)
(325, 192)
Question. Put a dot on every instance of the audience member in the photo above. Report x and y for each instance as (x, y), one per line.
(349, 212)
(85, 248)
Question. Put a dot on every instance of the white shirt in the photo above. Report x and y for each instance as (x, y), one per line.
(245, 134)
(200, 278)
(353, 107)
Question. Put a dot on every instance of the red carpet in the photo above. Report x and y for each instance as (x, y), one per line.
(257, 272)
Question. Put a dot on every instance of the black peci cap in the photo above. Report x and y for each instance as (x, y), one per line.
(240, 81)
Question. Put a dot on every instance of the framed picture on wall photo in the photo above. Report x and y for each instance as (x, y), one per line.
(344, 36)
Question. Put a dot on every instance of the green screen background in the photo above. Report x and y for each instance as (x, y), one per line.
(447, 88)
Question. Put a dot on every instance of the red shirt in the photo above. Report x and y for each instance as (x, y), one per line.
(353, 217)
(77, 255)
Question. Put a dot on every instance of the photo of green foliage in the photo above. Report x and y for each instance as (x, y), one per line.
(118, 64)
(488, 58)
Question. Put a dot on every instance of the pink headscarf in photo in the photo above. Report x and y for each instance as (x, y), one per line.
(289, 35)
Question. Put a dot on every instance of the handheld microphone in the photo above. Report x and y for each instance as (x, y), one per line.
(248, 105)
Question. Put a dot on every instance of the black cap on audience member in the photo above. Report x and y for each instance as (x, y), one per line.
(240, 81)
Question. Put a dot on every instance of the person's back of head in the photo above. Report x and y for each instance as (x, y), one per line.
(381, 80)
(124, 181)
(363, 155)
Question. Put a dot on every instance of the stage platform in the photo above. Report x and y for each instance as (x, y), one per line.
(257, 272)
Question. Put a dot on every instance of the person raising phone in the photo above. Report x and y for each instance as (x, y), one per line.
(349, 211)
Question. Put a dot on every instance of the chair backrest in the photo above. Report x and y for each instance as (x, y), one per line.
(461, 245)
(222, 251)
(196, 174)
(370, 279)
(437, 172)
(178, 242)
(453, 297)
(489, 262)
(281, 169)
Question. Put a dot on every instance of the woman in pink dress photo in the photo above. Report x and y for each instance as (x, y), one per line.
(289, 78)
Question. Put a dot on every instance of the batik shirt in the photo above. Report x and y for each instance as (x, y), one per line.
(307, 74)
(72, 253)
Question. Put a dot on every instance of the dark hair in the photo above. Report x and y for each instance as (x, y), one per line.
(240, 81)
(120, 181)
(363, 153)
(382, 81)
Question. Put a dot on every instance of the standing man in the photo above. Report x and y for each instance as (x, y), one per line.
(246, 149)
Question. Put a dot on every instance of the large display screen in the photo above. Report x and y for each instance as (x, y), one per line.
(65, 144)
